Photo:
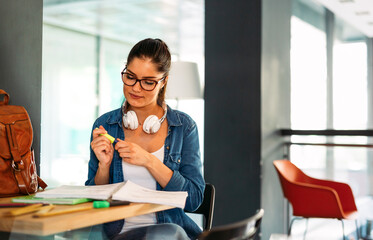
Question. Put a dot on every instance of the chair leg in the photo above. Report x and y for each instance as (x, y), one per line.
(343, 229)
(291, 224)
(357, 229)
(305, 230)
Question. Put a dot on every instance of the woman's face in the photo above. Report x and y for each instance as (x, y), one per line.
(142, 69)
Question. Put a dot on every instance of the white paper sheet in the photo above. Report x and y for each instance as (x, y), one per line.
(101, 192)
(136, 193)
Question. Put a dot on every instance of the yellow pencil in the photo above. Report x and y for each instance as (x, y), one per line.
(24, 210)
(45, 209)
(63, 211)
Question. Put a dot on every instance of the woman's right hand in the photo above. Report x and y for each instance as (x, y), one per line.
(102, 147)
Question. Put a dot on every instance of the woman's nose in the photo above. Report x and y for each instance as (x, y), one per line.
(137, 86)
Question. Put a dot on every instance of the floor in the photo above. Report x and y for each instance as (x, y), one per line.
(331, 229)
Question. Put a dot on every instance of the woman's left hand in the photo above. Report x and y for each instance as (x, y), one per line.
(132, 153)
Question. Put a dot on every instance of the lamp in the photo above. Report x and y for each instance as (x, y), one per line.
(183, 81)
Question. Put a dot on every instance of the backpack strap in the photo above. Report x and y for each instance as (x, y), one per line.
(20, 181)
(41, 183)
(17, 163)
(13, 146)
(6, 97)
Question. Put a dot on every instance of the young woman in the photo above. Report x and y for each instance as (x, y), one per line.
(157, 147)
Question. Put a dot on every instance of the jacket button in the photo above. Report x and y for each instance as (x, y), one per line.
(178, 161)
(168, 147)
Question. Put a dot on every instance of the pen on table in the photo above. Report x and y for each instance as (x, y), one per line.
(111, 139)
(30, 209)
(63, 211)
(45, 209)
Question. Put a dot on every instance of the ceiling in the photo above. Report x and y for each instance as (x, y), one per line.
(129, 21)
(175, 21)
(358, 13)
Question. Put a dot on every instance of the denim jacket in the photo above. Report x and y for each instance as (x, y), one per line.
(182, 156)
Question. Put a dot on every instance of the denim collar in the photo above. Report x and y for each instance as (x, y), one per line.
(173, 117)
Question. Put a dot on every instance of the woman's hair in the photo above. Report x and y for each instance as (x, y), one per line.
(157, 51)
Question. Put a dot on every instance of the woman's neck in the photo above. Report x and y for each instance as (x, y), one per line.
(143, 112)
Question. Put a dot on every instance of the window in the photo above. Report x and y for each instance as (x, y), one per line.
(350, 112)
(308, 91)
(68, 104)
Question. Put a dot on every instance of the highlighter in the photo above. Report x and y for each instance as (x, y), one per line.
(109, 203)
(111, 139)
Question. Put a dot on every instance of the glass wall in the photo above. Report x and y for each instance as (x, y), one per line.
(111, 63)
(310, 90)
(308, 83)
(329, 91)
(69, 103)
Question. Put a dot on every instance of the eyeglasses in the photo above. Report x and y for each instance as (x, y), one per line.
(146, 84)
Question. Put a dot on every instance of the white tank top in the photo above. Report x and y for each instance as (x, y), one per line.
(141, 176)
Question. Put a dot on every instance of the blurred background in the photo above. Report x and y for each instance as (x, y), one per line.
(86, 42)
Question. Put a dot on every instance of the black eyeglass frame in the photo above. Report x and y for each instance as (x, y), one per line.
(140, 80)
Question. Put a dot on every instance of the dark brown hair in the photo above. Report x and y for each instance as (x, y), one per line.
(157, 51)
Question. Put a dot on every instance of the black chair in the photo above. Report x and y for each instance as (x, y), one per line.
(244, 230)
(207, 206)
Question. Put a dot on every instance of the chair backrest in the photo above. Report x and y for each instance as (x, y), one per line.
(243, 230)
(207, 206)
(290, 172)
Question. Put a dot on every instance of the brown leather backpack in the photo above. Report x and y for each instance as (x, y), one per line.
(17, 165)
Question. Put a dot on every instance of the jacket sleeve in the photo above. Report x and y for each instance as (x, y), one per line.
(189, 175)
(92, 164)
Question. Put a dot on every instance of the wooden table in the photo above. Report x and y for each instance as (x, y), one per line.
(27, 224)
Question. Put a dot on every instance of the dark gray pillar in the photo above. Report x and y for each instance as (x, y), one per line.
(233, 106)
(21, 23)
(275, 109)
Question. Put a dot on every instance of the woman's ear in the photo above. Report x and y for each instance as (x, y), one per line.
(165, 81)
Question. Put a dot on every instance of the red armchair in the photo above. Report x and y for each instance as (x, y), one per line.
(315, 198)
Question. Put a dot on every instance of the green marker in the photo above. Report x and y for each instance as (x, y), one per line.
(111, 203)
(101, 204)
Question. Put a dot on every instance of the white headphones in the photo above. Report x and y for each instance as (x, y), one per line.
(151, 124)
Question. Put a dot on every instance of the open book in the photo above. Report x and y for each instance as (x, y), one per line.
(125, 191)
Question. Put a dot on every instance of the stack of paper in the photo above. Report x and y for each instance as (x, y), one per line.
(101, 192)
(125, 191)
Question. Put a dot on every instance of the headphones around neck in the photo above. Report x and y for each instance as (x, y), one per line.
(151, 124)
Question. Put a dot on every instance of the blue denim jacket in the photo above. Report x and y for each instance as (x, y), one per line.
(182, 156)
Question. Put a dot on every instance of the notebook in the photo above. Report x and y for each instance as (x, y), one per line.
(33, 199)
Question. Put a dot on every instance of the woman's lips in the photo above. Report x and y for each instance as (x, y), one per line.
(135, 96)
